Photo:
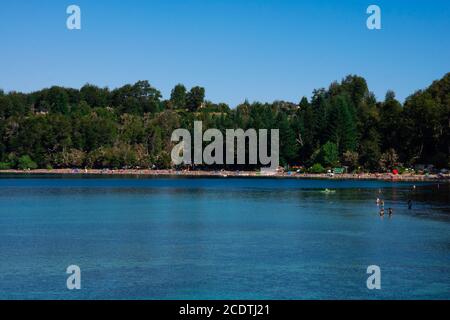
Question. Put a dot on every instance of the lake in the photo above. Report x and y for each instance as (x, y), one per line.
(221, 238)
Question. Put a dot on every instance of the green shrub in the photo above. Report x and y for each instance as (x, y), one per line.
(317, 168)
(163, 160)
(5, 165)
(401, 170)
(25, 163)
(329, 154)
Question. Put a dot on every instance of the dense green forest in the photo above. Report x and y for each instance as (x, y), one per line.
(131, 126)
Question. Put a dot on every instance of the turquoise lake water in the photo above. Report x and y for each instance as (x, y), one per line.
(196, 238)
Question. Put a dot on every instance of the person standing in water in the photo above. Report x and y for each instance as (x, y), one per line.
(382, 212)
(391, 212)
(409, 204)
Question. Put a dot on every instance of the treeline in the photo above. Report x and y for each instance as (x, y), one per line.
(131, 126)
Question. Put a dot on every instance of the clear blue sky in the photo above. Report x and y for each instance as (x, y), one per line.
(256, 49)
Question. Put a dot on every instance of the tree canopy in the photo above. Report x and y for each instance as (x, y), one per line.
(131, 126)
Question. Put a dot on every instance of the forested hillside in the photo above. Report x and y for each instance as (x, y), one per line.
(131, 126)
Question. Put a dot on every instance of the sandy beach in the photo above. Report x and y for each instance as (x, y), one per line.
(225, 174)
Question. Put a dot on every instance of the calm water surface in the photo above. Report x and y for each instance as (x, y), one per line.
(185, 238)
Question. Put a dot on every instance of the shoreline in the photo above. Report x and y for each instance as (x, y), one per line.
(233, 174)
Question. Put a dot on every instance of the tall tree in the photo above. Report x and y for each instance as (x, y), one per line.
(195, 98)
(390, 121)
(178, 97)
